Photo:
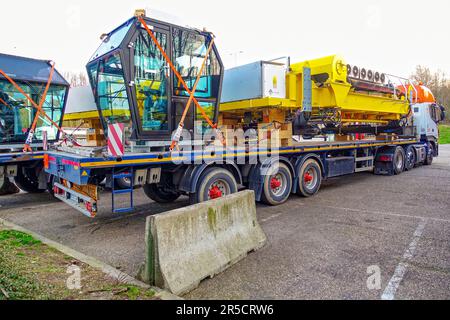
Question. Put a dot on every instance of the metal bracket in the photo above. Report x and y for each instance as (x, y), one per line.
(84, 204)
(307, 90)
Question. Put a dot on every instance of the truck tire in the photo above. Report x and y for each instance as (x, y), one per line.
(7, 187)
(277, 187)
(27, 180)
(399, 160)
(123, 183)
(309, 178)
(430, 155)
(160, 195)
(50, 183)
(411, 158)
(214, 183)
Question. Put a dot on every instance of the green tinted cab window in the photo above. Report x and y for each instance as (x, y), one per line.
(111, 91)
(17, 113)
(151, 82)
(189, 51)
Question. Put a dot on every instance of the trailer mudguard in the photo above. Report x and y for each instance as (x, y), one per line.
(385, 166)
(192, 175)
(257, 174)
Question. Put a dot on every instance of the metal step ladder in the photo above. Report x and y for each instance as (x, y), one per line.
(365, 162)
(121, 174)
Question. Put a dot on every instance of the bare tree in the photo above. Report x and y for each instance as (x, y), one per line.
(438, 83)
(76, 79)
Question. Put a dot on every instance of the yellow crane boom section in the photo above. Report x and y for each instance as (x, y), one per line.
(331, 89)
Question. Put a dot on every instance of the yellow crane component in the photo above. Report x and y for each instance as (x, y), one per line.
(333, 87)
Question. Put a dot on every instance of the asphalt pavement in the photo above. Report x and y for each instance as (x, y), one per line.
(362, 237)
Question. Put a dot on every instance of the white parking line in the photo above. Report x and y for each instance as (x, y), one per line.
(400, 271)
(272, 217)
(364, 211)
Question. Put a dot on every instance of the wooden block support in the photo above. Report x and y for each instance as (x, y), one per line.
(271, 115)
(276, 137)
(343, 138)
(387, 137)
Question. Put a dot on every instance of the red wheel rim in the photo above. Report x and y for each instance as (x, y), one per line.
(215, 193)
(275, 183)
(308, 177)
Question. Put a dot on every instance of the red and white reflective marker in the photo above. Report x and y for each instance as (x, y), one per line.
(116, 140)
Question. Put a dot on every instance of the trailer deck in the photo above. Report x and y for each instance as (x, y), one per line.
(68, 161)
(78, 175)
(14, 157)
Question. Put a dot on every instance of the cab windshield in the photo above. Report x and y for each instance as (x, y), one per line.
(110, 90)
(17, 113)
(112, 41)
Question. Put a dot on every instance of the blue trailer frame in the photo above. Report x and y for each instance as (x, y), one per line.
(334, 158)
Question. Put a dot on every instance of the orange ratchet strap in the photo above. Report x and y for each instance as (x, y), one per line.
(7, 105)
(180, 78)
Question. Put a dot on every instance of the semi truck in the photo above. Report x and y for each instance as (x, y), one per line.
(22, 83)
(177, 124)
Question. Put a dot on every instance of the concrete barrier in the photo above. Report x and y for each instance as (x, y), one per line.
(187, 245)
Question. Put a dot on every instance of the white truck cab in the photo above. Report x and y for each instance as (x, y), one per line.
(426, 120)
(427, 114)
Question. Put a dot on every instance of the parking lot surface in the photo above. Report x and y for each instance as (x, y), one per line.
(359, 229)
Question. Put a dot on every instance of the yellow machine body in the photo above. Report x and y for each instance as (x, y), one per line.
(331, 89)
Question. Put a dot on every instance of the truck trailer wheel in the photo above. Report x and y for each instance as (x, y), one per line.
(50, 183)
(51, 180)
(430, 155)
(309, 178)
(160, 195)
(411, 158)
(7, 187)
(123, 183)
(214, 183)
(399, 160)
(277, 187)
(27, 180)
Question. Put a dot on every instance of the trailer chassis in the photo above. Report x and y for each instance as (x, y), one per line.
(203, 176)
(26, 168)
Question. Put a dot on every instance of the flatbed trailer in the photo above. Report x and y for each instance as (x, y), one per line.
(210, 173)
(162, 82)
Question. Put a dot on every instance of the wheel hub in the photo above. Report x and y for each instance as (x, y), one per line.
(308, 177)
(215, 193)
(275, 183)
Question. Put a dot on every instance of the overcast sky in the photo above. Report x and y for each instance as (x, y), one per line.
(391, 36)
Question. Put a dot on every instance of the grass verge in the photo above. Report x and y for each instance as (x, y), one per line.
(444, 137)
(30, 270)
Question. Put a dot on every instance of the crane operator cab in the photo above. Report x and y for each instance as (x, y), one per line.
(16, 111)
(134, 85)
